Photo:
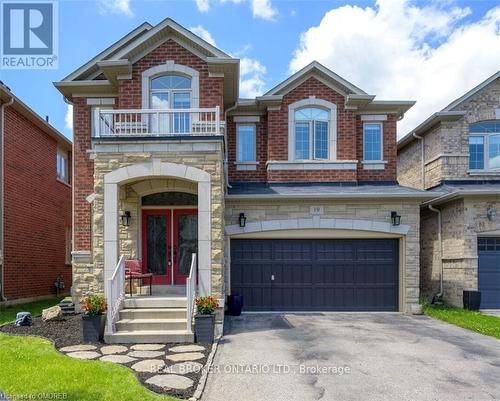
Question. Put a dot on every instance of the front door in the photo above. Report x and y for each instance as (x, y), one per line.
(169, 238)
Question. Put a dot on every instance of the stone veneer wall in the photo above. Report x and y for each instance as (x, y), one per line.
(359, 210)
(88, 275)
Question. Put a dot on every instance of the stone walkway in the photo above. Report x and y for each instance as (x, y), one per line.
(160, 366)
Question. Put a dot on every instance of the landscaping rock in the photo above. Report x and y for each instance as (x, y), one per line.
(84, 355)
(117, 358)
(188, 356)
(147, 347)
(149, 366)
(184, 368)
(187, 348)
(170, 381)
(53, 313)
(146, 354)
(113, 349)
(79, 347)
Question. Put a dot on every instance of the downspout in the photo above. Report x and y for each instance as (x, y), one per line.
(2, 153)
(440, 240)
(422, 155)
(226, 148)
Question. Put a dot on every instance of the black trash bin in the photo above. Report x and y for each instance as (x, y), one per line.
(234, 304)
(472, 300)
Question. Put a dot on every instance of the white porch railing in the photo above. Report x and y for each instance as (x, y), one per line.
(115, 294)
(191, 292)
(156, 122)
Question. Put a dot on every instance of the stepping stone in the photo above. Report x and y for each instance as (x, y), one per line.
(184, 368)
(149, 366)
(79, 347)
(170, 381)
(147, 347)
(146, 354)
(117, 358)
(187, 348)
(113, 349)
(188, 356)
(84, 355)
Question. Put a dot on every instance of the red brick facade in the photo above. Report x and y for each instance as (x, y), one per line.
(37, 211)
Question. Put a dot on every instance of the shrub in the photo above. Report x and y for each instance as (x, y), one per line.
(94, 305)
(206, 305)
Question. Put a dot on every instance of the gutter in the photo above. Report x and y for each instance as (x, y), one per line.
(226, 148)
(2, 154)
(362, 195)
(422, 155)
(440, 240)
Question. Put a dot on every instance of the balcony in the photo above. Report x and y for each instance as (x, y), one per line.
(157, 123)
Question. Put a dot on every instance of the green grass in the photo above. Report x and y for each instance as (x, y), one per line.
(8, 313)
(475, 321)
(31, 366)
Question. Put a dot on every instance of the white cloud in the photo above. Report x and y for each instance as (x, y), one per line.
(115, 7)
(263, 9)
(397, 50)
(68, 118)
(204, 34)
(252, 81)
(203, 5)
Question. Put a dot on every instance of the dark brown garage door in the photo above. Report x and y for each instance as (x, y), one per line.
(315, 275)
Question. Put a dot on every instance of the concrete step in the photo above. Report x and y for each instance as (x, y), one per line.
(153, 313)
(154, 302)
(149, 337)
(150, 324)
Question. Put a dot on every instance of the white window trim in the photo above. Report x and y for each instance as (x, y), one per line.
(64, 154)
(312, 101)
(381, 142)
(254, 145)
(486, 153)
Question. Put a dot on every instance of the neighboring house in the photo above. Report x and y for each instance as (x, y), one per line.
(287, 199)
(35, 203)
(455, 154)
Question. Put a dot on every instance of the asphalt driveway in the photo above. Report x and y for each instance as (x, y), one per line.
(343, 356)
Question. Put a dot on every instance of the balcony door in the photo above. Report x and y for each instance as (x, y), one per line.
(170, 92)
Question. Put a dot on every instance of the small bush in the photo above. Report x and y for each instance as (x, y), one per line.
(206, 305)
(94, 305)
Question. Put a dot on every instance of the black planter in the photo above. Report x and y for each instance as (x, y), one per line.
(472, 300)
(204, 326)
(234, 304)
(93, 327)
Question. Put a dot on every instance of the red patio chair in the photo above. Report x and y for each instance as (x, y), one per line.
(133, 271)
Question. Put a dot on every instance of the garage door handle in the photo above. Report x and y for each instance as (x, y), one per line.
(272, 277)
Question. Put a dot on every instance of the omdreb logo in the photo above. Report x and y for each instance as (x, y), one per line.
(29, 35)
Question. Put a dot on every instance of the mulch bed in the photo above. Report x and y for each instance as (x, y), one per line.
(68, 331)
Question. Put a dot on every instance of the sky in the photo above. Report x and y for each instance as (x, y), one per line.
(428, 51)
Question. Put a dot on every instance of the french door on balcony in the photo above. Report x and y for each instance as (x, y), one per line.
(169, 238)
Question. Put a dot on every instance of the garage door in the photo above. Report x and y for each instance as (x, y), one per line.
(489, 272)
(315, 275)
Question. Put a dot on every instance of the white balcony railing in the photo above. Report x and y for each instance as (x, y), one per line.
(156, 122)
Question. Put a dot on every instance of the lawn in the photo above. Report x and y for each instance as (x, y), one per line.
(31, 367)
(8, 313)
(475, 321)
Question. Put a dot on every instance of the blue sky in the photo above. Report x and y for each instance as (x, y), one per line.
(426, 51)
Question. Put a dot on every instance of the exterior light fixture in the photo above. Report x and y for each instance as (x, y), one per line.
(491, 212)
(126, 217)
(395, 219)
(242, 220)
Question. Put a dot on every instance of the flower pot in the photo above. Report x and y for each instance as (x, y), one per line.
(204, 326)
(93, 327)
(234, 304)
(472, 300)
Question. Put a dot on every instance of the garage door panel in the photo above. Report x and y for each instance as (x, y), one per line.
(489, 272)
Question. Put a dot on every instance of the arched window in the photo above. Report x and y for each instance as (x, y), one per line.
(311, 133)
(484, 145)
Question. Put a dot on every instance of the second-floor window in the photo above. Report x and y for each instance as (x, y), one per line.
(171, 92)
(62, 165)
(245, 142)
(372, 141)
(484, 145)
(311, 133)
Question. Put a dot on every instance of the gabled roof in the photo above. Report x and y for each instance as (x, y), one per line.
(318, 70)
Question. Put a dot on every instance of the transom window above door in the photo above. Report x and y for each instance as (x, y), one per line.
(311, 133)
(484, 146)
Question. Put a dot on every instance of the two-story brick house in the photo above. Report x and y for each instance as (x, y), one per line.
(289, 199)
(455, 154)
(35, 203)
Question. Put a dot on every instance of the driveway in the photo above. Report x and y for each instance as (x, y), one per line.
(344, 356)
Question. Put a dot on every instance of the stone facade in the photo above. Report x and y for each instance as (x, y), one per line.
(361, 211)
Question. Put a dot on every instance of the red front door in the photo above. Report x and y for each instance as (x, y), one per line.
(169, 238)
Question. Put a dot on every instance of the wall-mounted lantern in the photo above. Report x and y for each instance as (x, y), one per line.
(242, 220)
(126, 217)
(395, 219)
